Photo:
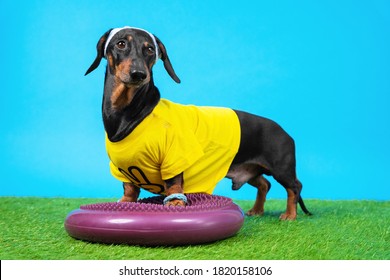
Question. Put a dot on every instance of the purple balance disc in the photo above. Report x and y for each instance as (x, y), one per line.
(206, 218)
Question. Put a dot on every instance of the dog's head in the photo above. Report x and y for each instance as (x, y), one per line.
(130, 53)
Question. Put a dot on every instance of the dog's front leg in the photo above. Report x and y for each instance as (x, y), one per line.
(130, 193)
(174, 191)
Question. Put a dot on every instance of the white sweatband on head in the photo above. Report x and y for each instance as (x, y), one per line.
(116, 30)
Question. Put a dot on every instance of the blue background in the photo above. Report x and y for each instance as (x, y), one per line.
(321, 70)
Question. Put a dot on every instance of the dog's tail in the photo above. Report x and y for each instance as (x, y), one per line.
(303, 206)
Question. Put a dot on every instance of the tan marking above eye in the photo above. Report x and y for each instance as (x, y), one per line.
(148, 49)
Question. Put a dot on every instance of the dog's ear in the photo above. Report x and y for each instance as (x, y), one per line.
(100, 52)
(167, 62)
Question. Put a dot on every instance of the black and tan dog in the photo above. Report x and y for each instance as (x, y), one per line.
(131, 98)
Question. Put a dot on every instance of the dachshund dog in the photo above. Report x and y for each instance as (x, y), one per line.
(174, 149)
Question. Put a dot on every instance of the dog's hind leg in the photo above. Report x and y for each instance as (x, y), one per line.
(263, 186)
(293, 188)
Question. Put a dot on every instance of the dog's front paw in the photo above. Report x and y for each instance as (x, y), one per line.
(176, 199)
(176, 202)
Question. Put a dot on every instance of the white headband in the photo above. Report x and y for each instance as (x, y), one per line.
(116, 30)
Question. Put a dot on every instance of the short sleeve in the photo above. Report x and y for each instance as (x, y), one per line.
(117, 174)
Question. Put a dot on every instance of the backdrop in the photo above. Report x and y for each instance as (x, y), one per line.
(321, 70)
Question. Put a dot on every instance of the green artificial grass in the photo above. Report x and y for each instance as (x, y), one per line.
(32, 228)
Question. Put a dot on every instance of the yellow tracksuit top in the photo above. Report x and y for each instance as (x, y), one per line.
(175, 138)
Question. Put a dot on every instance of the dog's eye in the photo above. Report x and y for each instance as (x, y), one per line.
(121, 44)
(149, 50)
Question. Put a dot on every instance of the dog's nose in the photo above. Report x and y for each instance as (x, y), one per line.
(137, 75)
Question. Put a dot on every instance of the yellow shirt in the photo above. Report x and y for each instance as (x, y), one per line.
(175, 138)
